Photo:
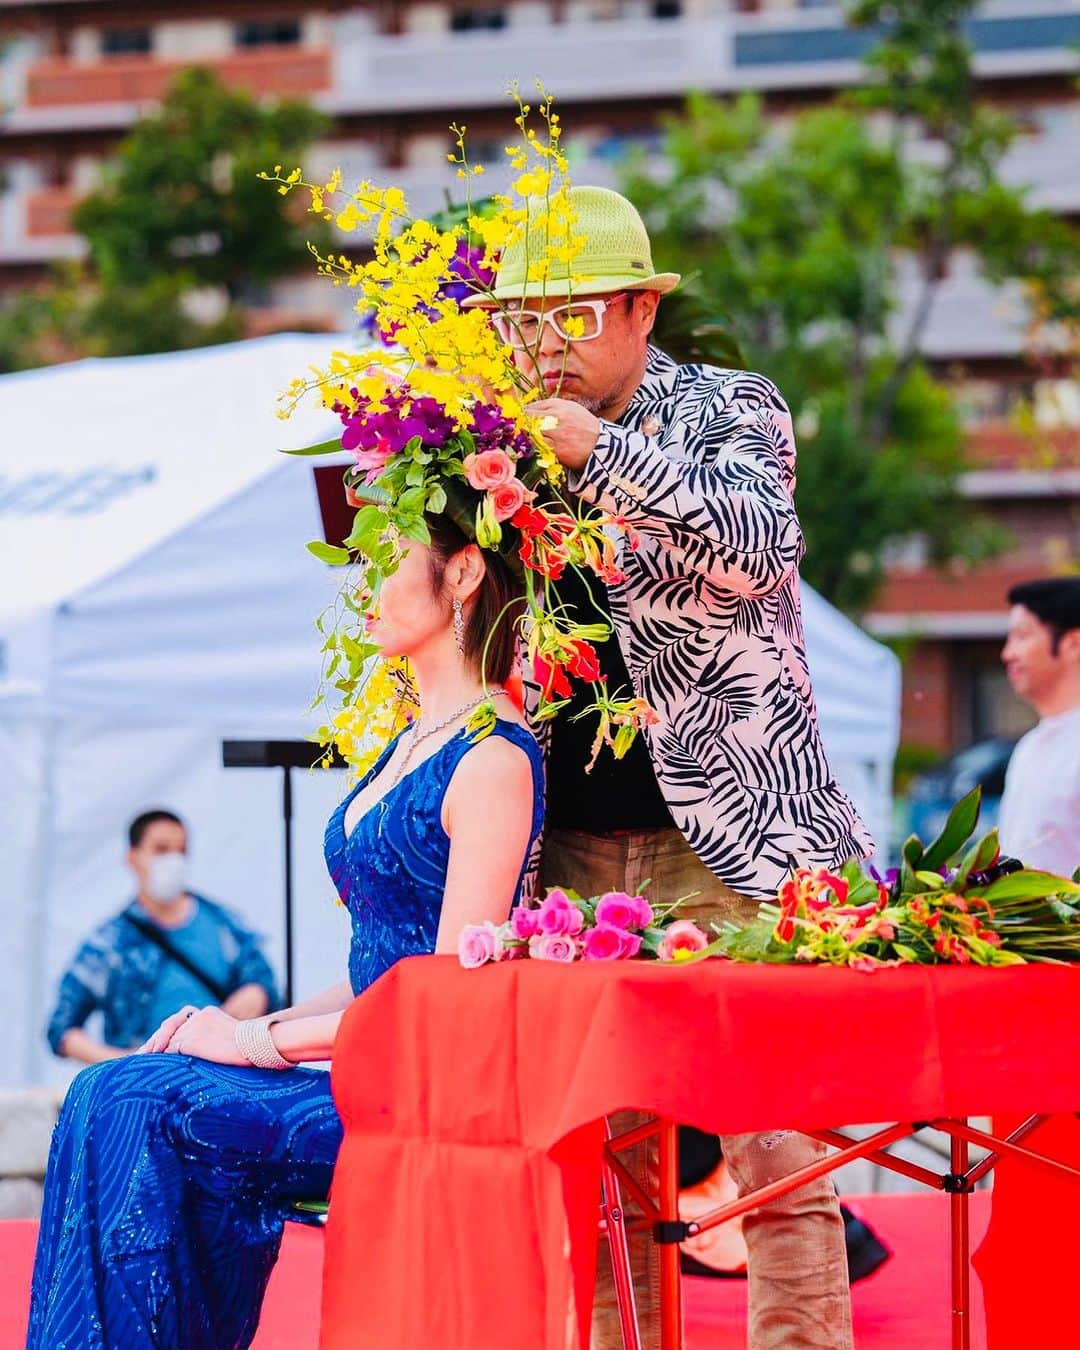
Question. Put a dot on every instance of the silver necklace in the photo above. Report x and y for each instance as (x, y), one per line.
(418, 737)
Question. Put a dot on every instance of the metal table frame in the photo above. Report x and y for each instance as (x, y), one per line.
(662, 1210)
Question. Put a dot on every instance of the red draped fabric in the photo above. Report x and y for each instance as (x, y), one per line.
(464, 1209)
(1027, 1262)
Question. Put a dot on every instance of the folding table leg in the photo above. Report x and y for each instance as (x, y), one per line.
(958, 1185)
(619, 1252)
(671, 1320)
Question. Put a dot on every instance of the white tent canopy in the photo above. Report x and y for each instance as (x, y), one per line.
(157, 599)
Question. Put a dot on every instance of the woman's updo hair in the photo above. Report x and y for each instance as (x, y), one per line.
(497, 602)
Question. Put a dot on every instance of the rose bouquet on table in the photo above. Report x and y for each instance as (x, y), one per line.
(564, 927)
(436, 417)
(956, 901)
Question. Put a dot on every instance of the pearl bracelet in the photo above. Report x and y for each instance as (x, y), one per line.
(255, 1043)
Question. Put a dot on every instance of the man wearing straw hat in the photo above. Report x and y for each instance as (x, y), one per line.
(732, 785)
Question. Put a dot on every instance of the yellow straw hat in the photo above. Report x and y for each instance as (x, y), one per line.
(616, 255)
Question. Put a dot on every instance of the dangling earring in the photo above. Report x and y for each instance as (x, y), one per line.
(459, 626)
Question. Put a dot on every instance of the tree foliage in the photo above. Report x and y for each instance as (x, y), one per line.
(797, 235)
(183, 192)
(180, 213)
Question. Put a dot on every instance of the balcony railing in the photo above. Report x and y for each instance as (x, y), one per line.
(48, 212)
(361, 72)
(657, 58)
(142, 79)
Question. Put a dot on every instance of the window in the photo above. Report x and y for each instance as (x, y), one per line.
(477, 20)
(126, 41)
(269, 33)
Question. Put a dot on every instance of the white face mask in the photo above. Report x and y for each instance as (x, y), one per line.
(167, 877)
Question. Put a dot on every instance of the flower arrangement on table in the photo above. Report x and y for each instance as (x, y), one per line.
(564, 927)
(952, 902)
(437, 420)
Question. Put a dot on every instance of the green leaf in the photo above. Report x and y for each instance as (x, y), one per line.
(323, 448)
(1025, 885)
(861, 888)
(329, 553)
(912, 852)
(411, 501)
(987, 852)
(417, 529)
(436, 500)
(368, 526)
(957, 830)
(370, 492)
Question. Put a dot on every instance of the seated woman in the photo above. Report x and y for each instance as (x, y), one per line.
(172, 1171)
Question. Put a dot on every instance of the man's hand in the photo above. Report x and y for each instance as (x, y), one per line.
(250, 1000)
(76, 1044)
(573, 435)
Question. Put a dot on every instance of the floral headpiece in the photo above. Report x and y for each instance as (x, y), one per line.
(436, 416)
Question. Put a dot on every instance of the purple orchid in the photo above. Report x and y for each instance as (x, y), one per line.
(387, 432)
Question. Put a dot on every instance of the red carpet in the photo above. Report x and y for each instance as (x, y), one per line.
(904, 1305)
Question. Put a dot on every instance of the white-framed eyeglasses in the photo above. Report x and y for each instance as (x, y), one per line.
(579, 321)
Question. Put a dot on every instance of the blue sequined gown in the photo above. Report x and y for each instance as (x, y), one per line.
(170, 1177)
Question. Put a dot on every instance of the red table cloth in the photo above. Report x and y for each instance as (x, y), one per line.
(465, 1202)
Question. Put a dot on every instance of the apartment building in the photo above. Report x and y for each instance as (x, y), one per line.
(76, 74)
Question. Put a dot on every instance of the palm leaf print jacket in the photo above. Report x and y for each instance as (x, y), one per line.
(702, 466)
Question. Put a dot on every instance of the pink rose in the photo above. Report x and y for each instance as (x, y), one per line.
(478, 944)
(607, 942)
(488, 469)
(553, 947)
(559, 915)
(604, 942)
(681, 940)
(645, 914)
(624, 911)
(618, 909)
(508, 499)
(523, 923)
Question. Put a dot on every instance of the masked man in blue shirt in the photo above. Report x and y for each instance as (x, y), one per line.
(169, 947)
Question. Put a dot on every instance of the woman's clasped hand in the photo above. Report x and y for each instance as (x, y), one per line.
(207, 1033)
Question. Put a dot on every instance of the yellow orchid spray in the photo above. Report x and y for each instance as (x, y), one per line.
(436, 415)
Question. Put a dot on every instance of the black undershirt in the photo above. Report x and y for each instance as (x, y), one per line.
(619, 794)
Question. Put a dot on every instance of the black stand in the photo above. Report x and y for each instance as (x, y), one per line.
(284, 755)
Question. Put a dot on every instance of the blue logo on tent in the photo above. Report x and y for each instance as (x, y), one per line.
(78, 492)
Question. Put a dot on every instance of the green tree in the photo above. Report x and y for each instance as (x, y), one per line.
(181, 210)
(796, 238)
(183, 192)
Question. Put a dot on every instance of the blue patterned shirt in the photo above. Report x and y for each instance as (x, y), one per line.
(117, 971)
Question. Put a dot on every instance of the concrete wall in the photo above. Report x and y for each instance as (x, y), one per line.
(27, 1116)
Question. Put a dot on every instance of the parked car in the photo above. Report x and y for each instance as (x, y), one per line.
(933, 793)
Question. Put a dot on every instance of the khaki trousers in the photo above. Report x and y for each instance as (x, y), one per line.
(796, 1259)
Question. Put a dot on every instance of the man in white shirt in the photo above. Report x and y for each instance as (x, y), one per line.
(1040, 811)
